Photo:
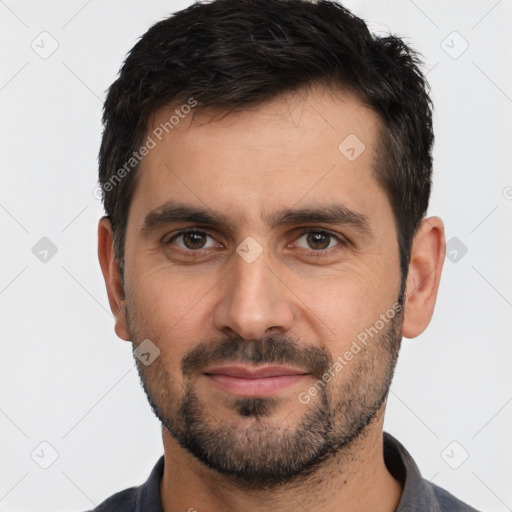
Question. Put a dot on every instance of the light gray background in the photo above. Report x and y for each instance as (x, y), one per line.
(68, 381)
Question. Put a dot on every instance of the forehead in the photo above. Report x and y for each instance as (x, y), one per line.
(305, 147)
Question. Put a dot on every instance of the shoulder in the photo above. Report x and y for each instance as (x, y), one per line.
(448, 502)
(419, 495)
(144, 498)
(123, 501)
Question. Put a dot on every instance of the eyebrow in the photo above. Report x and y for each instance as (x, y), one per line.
(335, 214)
(173, 212)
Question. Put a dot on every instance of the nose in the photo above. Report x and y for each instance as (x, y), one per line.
(255, 302)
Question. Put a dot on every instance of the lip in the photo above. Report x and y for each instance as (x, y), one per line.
(252, 381)
(251, 372)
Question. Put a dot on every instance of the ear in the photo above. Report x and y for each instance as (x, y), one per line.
(112, 277)
(426, 263)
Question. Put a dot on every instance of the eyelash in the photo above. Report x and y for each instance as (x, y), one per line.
(185, 232)
(342, 241)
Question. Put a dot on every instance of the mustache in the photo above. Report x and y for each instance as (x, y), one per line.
(277, 349)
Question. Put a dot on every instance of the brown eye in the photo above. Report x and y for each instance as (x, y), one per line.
(317, 240)
(192, 240)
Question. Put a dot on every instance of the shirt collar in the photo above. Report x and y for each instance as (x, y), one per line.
(418, 494)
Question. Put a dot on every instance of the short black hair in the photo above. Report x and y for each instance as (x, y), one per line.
(235, 54)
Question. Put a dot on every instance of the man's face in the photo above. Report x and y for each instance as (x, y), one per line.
(292, 258)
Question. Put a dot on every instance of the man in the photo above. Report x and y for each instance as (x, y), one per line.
(266, 170)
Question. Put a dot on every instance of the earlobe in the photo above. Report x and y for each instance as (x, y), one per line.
(112, 276)
(426, 264)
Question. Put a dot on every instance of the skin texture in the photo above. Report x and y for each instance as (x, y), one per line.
(248, 166)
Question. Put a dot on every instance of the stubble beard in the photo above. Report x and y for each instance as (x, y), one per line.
(261, 453)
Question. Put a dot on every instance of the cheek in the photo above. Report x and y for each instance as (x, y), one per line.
(345, 305)
(169, 310)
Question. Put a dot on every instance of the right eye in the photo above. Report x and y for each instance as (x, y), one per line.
(192, 240)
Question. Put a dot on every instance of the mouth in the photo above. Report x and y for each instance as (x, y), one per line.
(252, 381)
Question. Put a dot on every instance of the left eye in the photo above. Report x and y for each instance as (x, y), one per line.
(317, 240)
(193, 240)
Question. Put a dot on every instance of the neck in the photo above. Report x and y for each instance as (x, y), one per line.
(356, 479)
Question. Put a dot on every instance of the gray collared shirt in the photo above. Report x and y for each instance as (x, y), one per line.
(419, 495)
